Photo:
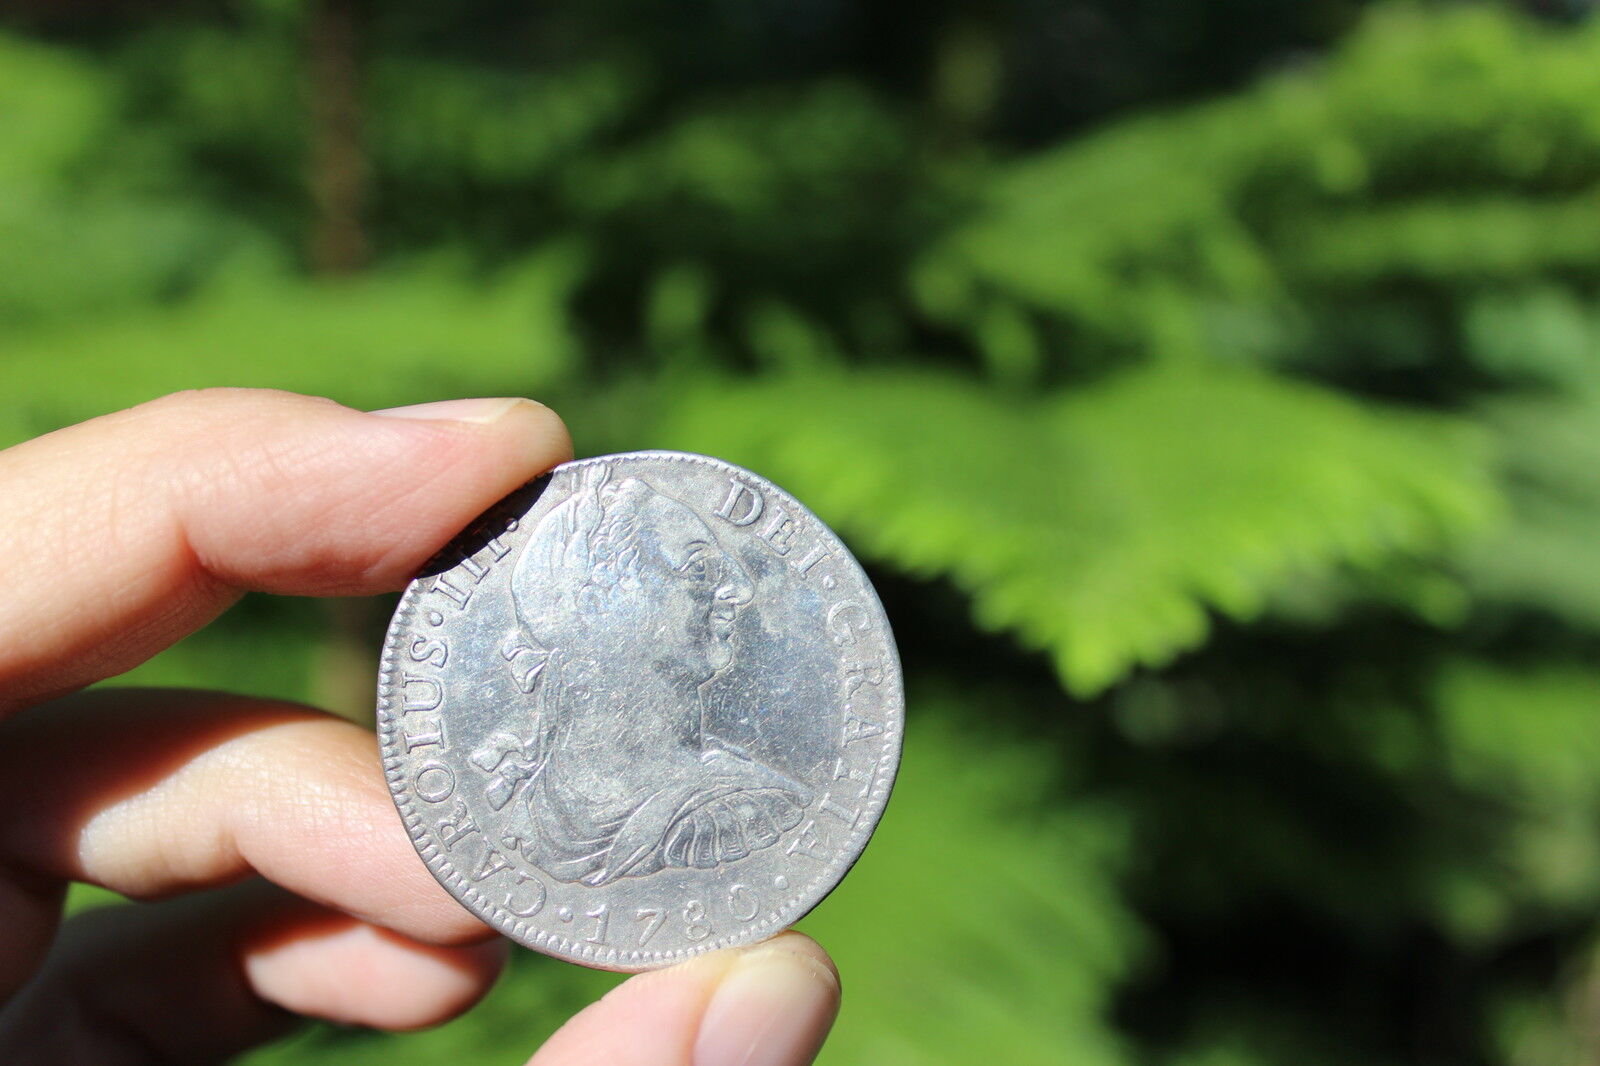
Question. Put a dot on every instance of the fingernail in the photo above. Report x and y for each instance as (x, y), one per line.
(774, 1008)
(485, 410)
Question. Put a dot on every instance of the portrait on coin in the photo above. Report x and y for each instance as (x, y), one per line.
(625, 607)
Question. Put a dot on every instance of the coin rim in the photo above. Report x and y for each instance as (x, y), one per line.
(638, 960)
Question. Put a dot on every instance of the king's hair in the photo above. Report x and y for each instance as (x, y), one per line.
(579, 557)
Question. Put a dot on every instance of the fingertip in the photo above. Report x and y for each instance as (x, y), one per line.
(538, 429)
(769, 1004)
(774, 1007)
(353, 973)
(799, 944)
(524, 421)
(290, 793)
(367, 496)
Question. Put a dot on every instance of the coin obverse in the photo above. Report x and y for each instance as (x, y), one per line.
(647, 707)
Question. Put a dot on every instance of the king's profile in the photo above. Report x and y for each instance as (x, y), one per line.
(625, 608)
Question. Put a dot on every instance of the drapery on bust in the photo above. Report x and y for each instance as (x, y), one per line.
(625, 607)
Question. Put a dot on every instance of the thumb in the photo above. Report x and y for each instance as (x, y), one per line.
(126, 532)
(767, 1005)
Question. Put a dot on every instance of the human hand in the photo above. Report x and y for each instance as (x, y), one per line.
(127, 532)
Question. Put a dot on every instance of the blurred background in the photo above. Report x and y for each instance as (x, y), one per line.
(1211, 386)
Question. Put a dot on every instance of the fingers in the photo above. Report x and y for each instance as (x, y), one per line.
(767, 1005)
(126, 532)
(333, 967)
(200, 979)
(150, 792)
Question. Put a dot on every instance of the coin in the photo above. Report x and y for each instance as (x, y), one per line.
(647, 707)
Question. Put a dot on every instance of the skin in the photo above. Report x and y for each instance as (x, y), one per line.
(286, 883)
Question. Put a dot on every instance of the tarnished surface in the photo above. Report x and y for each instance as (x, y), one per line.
(648, 707)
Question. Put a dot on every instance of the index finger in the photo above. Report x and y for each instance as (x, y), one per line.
(126, 532)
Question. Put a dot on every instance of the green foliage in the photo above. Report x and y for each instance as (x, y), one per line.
(1446, 152)
(57, 105)
(1548, 560)
(1105, 523)
(1524, 735)
(71, 243)
(369, 342)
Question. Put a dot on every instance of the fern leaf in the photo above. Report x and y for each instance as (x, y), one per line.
(1102, 525)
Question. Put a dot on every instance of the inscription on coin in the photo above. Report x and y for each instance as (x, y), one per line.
(648, 707)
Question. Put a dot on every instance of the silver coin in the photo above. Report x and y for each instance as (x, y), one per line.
(649, 706)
